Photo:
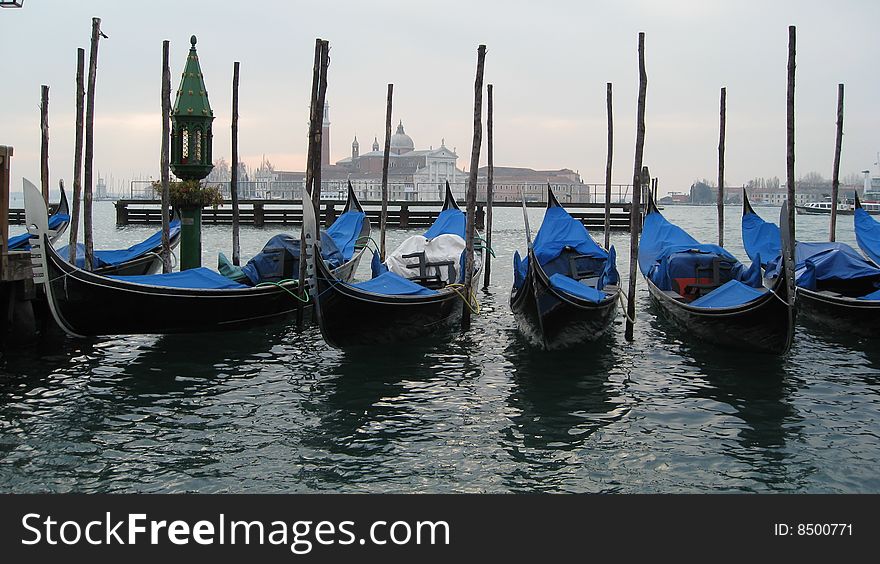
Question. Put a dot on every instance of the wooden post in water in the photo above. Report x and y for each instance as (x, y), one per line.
(90, 144)
(233, 185)
(789, 169)
(383, 217)
(470, 218)
(835, 182)
(635, 218)
(322, 93)
(490, 188)
(721, 168)
(164, 159)
(608, 168)
(44, 142)
(77, 152)
(314, 117)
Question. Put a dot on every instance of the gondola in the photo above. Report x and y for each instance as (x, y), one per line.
(196, 300)
(391, 308)
(709, 294)
(566, 290)
(140, 259)
(867, 232)
(835, 285)
(58, 222)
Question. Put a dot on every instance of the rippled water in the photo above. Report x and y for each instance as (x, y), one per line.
(273, 410)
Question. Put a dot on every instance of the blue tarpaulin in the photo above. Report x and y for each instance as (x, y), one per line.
(20, 242)
(346, 230)
(279, 259)
(393, 284)
(571, 286)
(730, 294)
(107, 258)
(449, 221)
(560, 231)
(814, 262)
(867, 234)
(197, 278)
(760, 238)
(873, 296)
(670, 257)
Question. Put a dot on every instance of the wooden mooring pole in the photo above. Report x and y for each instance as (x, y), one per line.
(315, 116)
(383, 218)
(635, 223)
(164, 158)
(316, 167)
(490, 188)
(610, 152)
(44, 142)
(721, 168)
(835, 182)
(233, 185)
(90, 144)
(789, 169)
(77, 152)
(472, 190)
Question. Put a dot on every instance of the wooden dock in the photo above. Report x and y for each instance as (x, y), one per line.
(407, 214)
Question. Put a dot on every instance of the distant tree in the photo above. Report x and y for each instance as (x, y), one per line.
(702, 192)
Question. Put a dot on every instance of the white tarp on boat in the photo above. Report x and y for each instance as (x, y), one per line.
(447, 247)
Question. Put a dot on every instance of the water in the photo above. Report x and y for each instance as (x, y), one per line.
(272, 410)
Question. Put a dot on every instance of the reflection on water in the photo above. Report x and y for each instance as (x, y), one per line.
(275, 410)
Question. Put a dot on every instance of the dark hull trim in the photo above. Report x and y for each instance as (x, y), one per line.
(552, 320)
(841, 314)
(762, 325)
(350, 317)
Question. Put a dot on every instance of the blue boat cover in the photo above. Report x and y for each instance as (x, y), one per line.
(730, 294)
(560, 231)
(449, 221)
(819, 262)
(875, 295)
(814, 262)
(760, 238)
(279, 259)
(867, 234)
(109, 258)
(20, 242)
(393, 284)
(345, 232)
(571, 286)
(668, 252)
(377, 267)
(609, 275)
(195, 278)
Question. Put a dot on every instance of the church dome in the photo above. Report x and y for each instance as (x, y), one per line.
(401, 142)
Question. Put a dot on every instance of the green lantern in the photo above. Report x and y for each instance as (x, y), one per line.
(191, 154)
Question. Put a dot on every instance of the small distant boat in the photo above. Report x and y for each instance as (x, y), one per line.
(140, 259)
(707, 292)
(824, 208)
(58, 223)
(193, 301)
(835, 285)
(565, 291)
(392, 308)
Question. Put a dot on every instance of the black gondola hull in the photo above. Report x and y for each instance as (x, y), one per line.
(763, 325)
(846, 315)
(350, 317)
(551, 320)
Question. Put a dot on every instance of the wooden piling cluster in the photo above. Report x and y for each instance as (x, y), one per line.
(78, 151)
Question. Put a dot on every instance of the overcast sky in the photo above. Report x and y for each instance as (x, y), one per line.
(549, 62)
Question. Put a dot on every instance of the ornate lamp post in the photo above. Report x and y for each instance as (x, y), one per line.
(191, 140)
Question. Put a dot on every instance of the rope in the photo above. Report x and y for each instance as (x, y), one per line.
(475, 309)
(280, 285)
(620, 296)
